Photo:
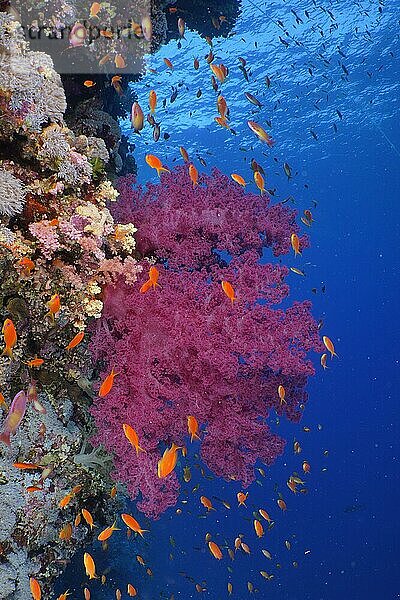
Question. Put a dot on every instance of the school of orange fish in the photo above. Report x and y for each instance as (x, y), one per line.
(168, 461)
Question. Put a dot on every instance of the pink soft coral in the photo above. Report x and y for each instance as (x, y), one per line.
(185, 349)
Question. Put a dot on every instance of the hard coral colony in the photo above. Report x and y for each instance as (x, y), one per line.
(182, 309)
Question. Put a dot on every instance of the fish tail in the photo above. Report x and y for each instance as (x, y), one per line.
(8, 352)
(50, 315)
(142, 531)
(141, 450)
(5, 437)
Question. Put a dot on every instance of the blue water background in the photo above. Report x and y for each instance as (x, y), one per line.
(349, 517)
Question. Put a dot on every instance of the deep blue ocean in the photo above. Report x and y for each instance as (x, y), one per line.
(341, 81)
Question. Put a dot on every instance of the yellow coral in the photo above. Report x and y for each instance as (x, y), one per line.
(93, 308)
(107, 192)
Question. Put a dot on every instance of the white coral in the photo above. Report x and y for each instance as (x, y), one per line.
(97, 149)
(54, 145)
(12, 194)
(35, 87)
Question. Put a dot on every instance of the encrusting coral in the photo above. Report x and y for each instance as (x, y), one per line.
(59, 245)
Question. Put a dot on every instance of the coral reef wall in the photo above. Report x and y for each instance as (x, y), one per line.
(59, 245)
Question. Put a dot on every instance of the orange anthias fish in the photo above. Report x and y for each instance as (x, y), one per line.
(35, 362)
(107, 532)
(306, 467)
(282, 504)
(281, 394)
(3, 402)
(54, 306)
(181, 27)
(242, 497)
(259, 529)
(265, 515)
(167, 462)
(88, 518)
(218, 72)
(329, 345)
(169, 64)
(133, 524)
(294, 240)
(27, 265)
(75, 340)
(193, 174)
(229, 291)
(119, 61)
(90, 567)
(66, 532)
(206, 503)
(131, 590)
(222, 122)
(193, 427)
(35, 588)
(259, 181)
(95, 9)
(115, 82)
(26, 466)
(215, 550)
(65, 501)
(107, 384)
(222, 107)
(152, 101)
(261, 133)
(323, 361)
(14, 417)
(154, 274)
(132, 437)
(184, 154)
(89, 83)
(239, 179)
(145, 287)
(137, 117)
(10, 337)
(64, 595)
(86, 593)
(155, 163)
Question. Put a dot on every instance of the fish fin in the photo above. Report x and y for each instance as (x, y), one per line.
(8, 352)
(50, 315)
(142, 531)
(163, 170)
(5, 437)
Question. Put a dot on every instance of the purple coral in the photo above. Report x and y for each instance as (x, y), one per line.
(185, 349)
